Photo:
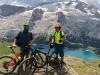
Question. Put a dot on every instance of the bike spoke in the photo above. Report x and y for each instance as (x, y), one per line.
(27, 67)
(7, 64)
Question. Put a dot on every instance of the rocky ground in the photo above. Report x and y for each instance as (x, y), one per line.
(74, 66)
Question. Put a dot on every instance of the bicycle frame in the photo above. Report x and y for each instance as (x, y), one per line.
(13, 52)
(48, 55)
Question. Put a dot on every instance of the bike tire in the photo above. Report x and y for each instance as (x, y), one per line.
(27, 67)
(40, 58)
(11, 68)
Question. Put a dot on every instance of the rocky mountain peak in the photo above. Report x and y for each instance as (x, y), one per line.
(7, 10)
(78, 17)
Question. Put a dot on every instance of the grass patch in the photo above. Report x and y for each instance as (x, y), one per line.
(86, 68)
(4, 48)
(95, 64)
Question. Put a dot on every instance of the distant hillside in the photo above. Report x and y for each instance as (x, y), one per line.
(7, 10)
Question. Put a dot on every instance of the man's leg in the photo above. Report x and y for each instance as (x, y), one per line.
(56, 51)
(61, 53)
(22, 54)
(62, 59)
(27, 52)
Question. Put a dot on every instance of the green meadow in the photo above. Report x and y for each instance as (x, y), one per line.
(4, 50)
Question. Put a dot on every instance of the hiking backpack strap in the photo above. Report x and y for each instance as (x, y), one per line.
(61, 36)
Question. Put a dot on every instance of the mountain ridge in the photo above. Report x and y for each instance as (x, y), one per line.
(81, 21)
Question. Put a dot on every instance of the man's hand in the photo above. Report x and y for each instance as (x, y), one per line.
(14, 45)
(51, 45)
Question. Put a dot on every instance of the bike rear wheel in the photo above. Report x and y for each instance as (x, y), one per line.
(7, 65)
(27, 67)
(40, 58)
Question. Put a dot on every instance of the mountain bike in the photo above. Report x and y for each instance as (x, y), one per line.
(41, 59)
(50, 59)
(30, 64)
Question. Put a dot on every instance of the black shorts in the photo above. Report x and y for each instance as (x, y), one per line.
(59, 48)
(24, 52)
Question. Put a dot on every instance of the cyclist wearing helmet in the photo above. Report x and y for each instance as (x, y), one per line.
(23, 40)
(58, 41)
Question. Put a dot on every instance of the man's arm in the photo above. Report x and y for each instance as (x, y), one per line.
(14, 43)
(63, 37)
(51, 38)
(31, 36)
(31, 39)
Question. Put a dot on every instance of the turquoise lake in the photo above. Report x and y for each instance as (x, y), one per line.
(84, 54)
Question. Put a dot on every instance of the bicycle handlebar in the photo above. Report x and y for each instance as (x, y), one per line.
(11, 47)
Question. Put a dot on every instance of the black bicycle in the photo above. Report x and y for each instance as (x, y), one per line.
(41, 59)
(30, 64)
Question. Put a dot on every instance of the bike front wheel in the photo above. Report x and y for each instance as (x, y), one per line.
(7, 65)
(27, 67)
(40, 58)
